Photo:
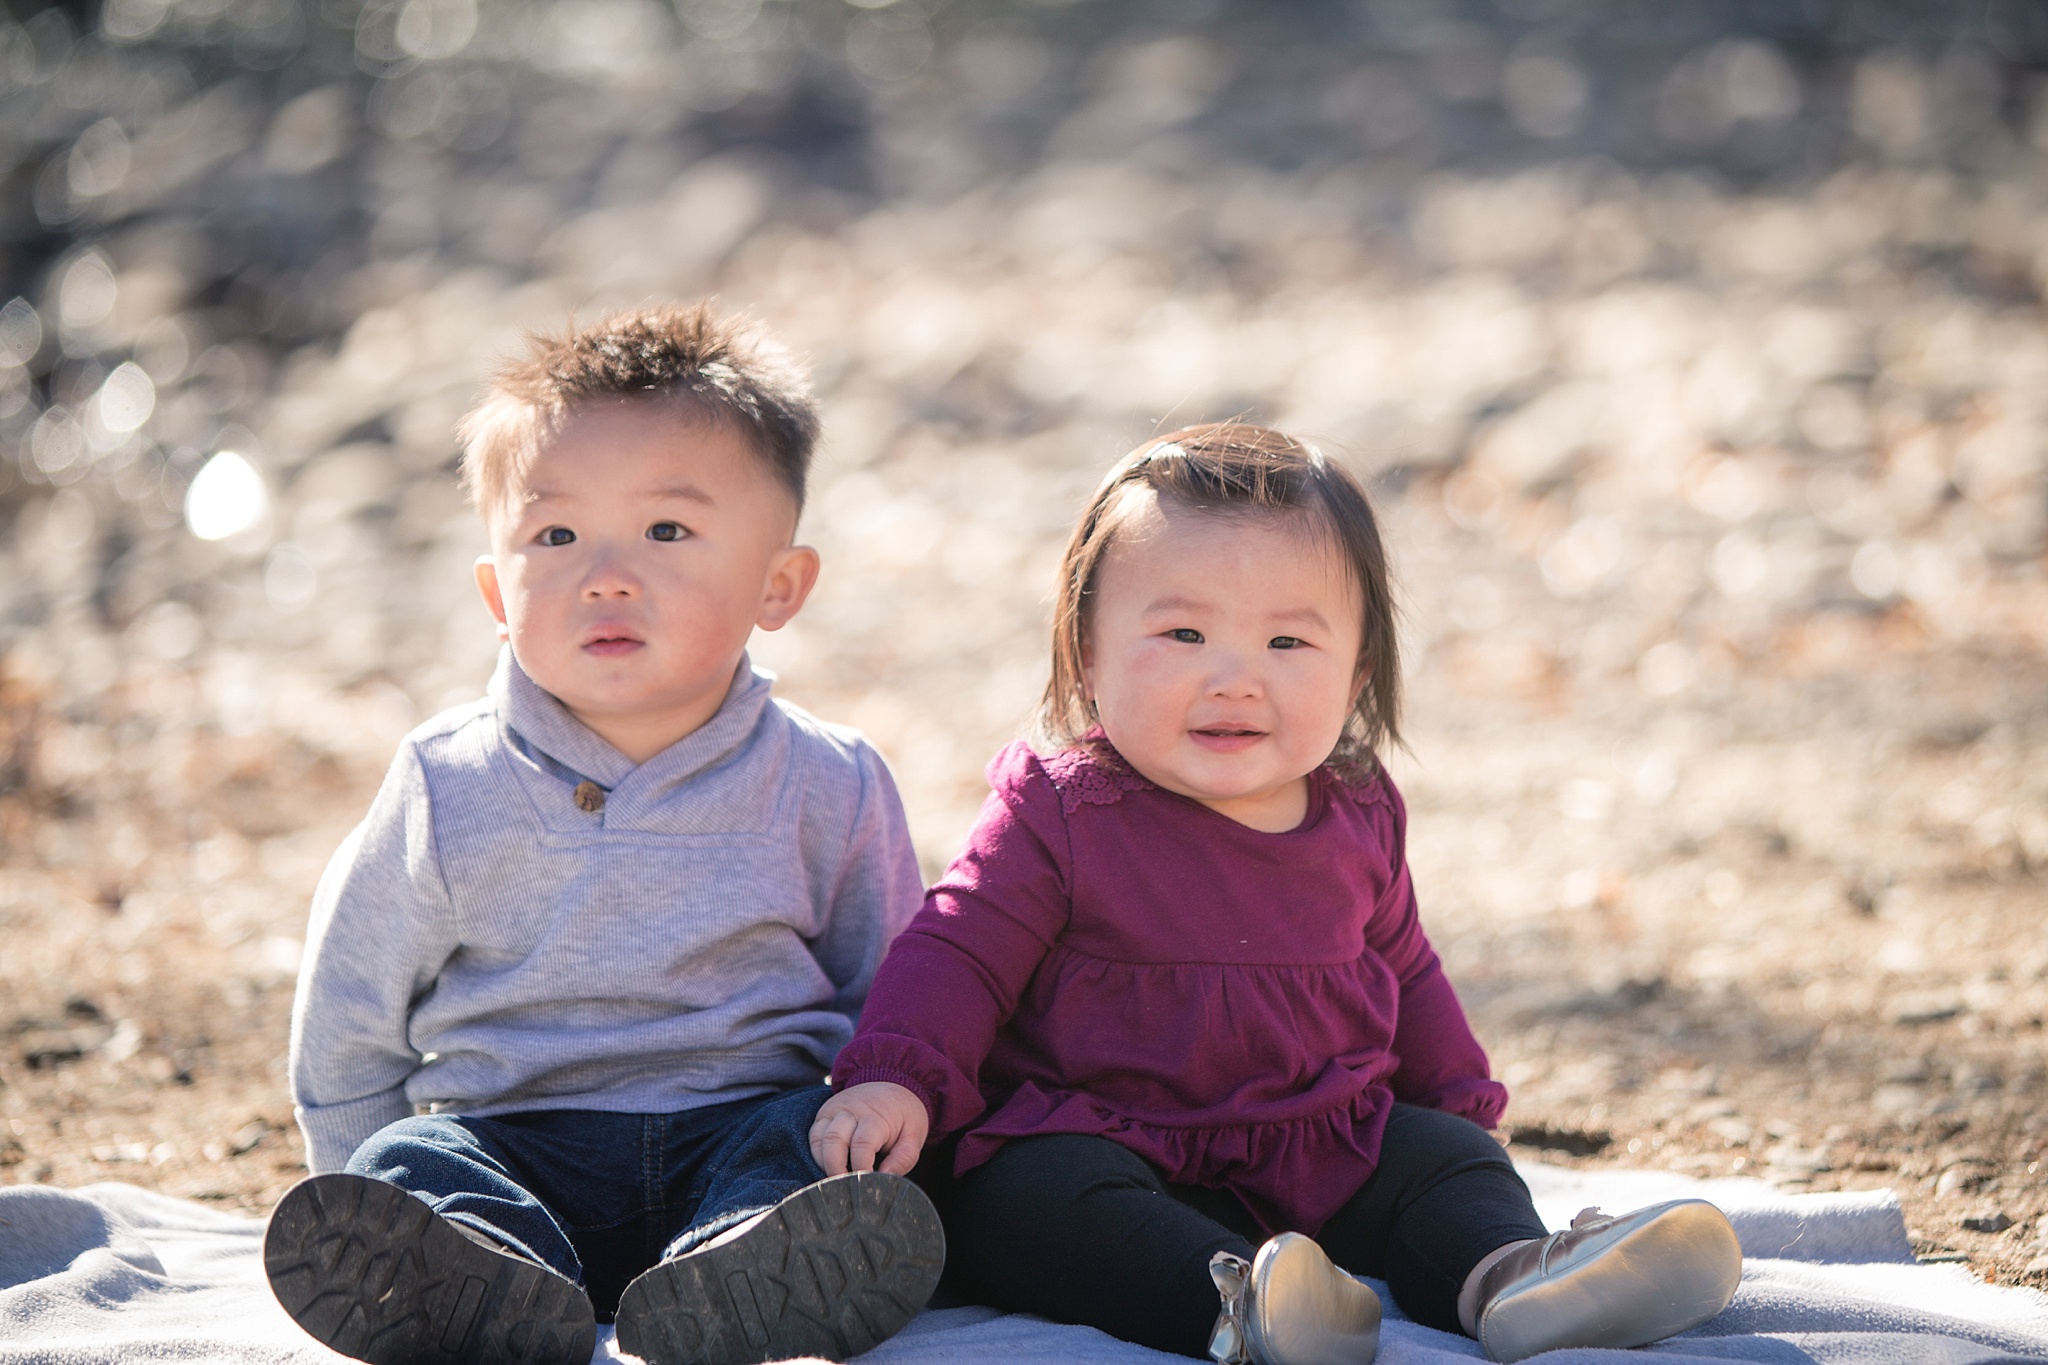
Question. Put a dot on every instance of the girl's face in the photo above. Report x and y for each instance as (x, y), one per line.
(1222, 655)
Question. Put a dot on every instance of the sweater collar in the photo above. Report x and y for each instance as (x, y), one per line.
(542, 721)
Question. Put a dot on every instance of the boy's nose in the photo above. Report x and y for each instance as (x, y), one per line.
(608, 578)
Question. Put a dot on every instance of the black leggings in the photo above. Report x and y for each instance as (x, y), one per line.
(1079, 1229)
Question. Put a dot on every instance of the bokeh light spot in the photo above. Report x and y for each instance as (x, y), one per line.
(127, 398)
(227, 497)
(21, 333)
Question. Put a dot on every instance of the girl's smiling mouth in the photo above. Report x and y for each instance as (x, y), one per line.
(1226, 739)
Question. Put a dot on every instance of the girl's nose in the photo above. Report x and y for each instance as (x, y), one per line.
(1233, 676)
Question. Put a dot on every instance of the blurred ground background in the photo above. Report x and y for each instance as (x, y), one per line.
(1695, 351)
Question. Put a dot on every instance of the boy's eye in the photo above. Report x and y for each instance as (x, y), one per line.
(667, 530)
(556, 535)
(1185, 636)
(1284, 642)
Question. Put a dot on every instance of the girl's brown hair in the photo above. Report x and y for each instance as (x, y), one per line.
(1235, 468)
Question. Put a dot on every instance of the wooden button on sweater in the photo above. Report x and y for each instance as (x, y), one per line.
(589, 797)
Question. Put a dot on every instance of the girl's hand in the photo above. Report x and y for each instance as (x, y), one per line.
(877, 1119)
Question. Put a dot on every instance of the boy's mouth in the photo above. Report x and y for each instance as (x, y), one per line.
(607, 642)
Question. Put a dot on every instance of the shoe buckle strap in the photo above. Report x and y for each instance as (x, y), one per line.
(1229, 1341)
(1556, 1240)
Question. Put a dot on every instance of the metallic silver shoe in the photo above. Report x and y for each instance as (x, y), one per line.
(1619, 1282)
(1290, 1306)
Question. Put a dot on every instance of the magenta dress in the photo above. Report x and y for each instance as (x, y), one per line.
(1240, 1008)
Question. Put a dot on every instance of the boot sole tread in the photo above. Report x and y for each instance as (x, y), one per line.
(373, 1273)
(834, 1270)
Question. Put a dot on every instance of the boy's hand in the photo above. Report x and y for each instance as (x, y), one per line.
(871, 1120)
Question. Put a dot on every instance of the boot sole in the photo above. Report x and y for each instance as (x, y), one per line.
(834, 1270)
(373, 1273)
(1672, 1273)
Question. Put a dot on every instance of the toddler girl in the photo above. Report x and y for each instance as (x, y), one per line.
(1175, 997)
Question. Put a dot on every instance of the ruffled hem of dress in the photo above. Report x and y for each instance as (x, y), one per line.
(1293, 1174)
(1480, 1100)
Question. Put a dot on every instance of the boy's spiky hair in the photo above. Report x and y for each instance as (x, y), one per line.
(716, 367)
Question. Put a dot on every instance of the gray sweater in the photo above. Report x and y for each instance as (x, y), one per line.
(481, 944)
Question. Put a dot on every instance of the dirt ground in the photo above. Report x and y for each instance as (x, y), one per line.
(1790, 929)
(1696, 353)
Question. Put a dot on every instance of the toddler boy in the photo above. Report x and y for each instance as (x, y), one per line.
(609, 925)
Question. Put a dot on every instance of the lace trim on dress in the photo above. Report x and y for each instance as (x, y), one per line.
(1091, 773)
(1366, 788)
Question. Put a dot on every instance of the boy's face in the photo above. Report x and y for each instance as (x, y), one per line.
(632, 561)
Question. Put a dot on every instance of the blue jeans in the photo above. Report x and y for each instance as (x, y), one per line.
(601, 1197)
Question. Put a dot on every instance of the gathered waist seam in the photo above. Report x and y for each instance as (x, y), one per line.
(1069, 950)
(1060, 1097)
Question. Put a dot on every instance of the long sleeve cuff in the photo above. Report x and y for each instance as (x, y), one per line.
(950, 1096)
(334, 1131)
(869, 1074)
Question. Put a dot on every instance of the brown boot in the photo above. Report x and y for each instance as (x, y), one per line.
(833, 1270)
(371, 1272)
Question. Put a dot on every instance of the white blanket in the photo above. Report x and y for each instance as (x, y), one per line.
(114, 1273)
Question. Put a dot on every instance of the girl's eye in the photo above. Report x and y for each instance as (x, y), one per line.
(556, 535)
(667, 530)
(1284, 642)
(1185, 636)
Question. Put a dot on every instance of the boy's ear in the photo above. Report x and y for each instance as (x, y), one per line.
(791, 576)
(487, 584)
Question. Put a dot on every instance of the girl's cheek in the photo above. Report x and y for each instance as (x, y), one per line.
(1152, 657)
(1131, 680)
(1146, 679)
